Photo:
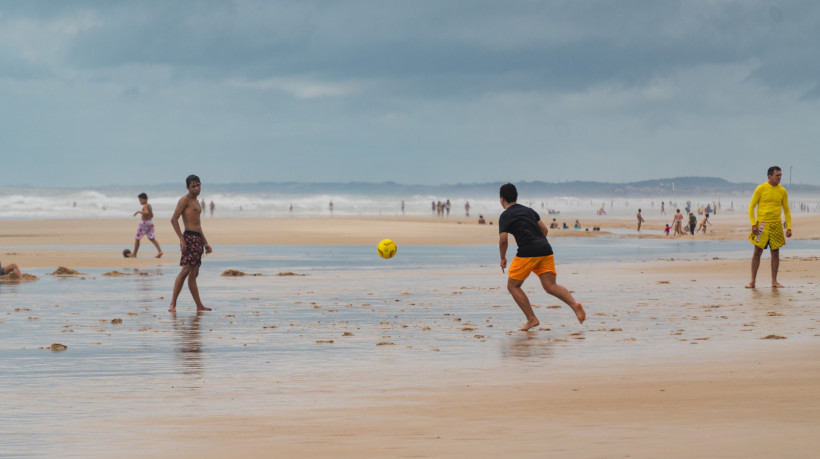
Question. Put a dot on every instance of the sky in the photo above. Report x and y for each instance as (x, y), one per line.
(97, 93)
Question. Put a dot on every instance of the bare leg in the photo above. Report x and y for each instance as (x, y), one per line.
(194, 288)
(156, 244)
(560, 292)
(514, 287)
(13, 271)
(775, 267)
(180, 280)
(136, 247)
(755, 265)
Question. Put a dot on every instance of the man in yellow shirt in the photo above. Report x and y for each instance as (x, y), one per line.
(767, 229)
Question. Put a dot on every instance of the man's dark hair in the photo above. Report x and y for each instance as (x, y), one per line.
(508, 192)
(191, 178)
(143, 196)
(772, 169)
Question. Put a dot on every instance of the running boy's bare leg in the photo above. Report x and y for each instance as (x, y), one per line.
(775, 267)
(180, 280)
(194, 288)
(136, 247)
(560, 292)
(514, 287)
(156, 244)
(755, 265)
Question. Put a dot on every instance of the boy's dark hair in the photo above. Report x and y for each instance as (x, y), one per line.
(143, 196)
(508, 192)
(772, 169)
(190, 179)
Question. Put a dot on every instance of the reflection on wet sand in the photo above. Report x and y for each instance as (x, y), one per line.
(189, 344)
(528, 346)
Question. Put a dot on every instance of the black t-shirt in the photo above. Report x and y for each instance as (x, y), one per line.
(522, 223)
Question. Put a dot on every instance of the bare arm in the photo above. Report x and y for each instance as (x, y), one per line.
(502, 247)
(181, 205)
(208, 248)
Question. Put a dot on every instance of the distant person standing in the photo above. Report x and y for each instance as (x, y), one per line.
(534, 255)
(212, 208)
(330, 206)
(447, 207)
(693, 222)
(146, 226)
(202, 204)
(640, 219)
(192, 242)
(402, 206)
(771, 199)
(678, 221)
(663, 209)
(467, 208)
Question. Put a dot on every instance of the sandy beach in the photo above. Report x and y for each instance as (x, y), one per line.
(32, 239)
(676, 359)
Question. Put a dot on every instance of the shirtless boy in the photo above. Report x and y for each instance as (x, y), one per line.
(640, 219)
(534, 255)
(146, 226)
(192, 242)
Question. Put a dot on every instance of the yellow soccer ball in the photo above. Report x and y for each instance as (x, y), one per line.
(387, 248)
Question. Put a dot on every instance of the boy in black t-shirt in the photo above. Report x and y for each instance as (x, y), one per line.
(534, 255)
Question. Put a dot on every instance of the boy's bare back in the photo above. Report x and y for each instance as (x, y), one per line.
(147, 212)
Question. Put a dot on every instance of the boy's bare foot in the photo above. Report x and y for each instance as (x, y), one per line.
(776, 284)
(203, 308)
(530, 324)
(750, 285)
(580, 313)
(173, 308)
(159, 255)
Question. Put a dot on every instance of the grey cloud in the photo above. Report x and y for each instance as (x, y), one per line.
(492, 45)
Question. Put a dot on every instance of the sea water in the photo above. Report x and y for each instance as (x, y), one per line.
(259, 201)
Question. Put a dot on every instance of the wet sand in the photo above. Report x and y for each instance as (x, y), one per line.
(676, 359)
(31, 243)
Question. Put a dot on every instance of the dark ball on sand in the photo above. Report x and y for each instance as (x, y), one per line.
(126, 253)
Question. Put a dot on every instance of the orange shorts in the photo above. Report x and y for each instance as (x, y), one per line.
(521, 268)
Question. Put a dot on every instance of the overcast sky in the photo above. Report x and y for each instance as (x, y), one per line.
(420, 92)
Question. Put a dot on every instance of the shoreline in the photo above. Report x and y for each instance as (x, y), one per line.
(30, 243)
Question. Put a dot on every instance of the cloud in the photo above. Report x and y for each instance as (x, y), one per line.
(601, 84)
(300, 88)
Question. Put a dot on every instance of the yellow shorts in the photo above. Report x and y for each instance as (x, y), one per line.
(520, 268)
(769, 234)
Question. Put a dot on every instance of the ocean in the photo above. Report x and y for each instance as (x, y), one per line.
(265, 201)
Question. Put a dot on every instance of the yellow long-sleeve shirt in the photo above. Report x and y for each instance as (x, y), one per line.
(770, 200)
